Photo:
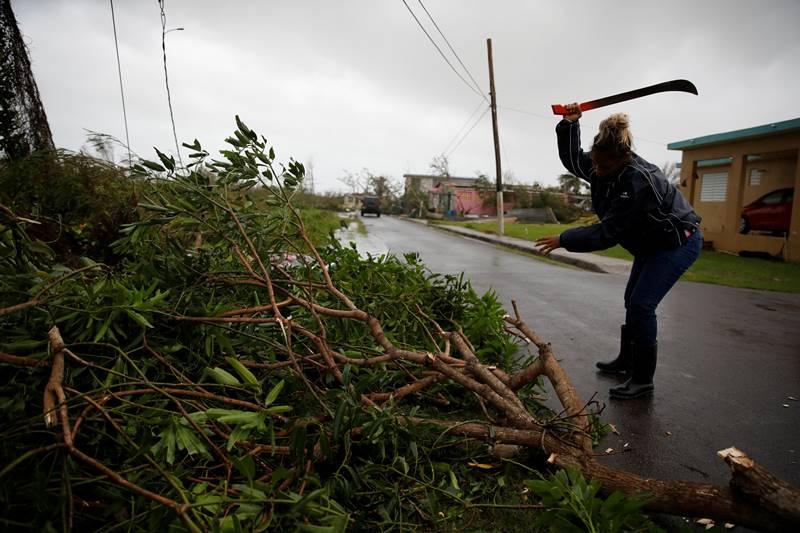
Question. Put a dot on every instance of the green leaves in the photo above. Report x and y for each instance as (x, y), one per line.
(178, 436)
(222, 376)
(338, 421)
(484, 326)
(139, 319)
(152, 165)
(244, 373)
(273, 394)
(245, 423)
(250, 134)
(194, 146)
(167, 161)
(249, 419)
(573, 505)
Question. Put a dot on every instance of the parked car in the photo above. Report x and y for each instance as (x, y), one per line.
(771, 212)
(370, 204)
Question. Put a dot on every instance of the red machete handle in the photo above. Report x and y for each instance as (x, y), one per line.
(559, 109)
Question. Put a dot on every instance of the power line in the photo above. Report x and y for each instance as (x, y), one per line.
(468, 132)
(473, 89)
(526, 112)
(166, 78)
(121, 90)
(505, 156)
(477, 85)
(461, 129)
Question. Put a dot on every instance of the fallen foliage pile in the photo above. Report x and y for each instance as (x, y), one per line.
(228, 375)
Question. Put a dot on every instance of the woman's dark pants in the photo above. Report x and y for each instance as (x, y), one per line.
(652, 276)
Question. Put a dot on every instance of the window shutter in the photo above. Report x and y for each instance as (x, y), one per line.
(714, 187)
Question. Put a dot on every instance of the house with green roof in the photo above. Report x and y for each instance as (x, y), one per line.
(724, 172)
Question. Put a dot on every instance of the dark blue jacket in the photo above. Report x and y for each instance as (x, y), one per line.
(638, 209)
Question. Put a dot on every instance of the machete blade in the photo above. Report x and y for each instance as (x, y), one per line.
(668, 86)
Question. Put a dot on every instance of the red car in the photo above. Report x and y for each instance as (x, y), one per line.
(771, 212)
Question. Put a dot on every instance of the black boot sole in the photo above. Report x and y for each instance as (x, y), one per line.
(612, 372)
(630, 396)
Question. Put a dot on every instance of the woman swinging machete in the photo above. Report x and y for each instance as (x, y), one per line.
(640, 210)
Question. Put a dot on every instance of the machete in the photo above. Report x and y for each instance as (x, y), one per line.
(675, 85)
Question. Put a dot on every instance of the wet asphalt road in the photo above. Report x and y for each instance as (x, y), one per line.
(729, 358)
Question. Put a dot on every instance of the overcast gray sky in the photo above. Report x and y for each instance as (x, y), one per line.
(355, 83)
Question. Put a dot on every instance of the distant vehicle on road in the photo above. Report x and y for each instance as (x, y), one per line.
(370, 204)
(771, 212)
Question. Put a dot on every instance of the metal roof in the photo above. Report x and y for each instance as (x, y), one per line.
(738, 135)
(435, 177)
(450, 180)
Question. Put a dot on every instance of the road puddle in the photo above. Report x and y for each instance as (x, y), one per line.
(366, 244)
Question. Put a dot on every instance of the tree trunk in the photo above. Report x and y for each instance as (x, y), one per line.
(755, 499)
(23, 122)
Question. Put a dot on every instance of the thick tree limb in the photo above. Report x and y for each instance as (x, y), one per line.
(21, 307)
(21, 361)
(561, 383)
(54, 397)
(672, 497)
(755, 483)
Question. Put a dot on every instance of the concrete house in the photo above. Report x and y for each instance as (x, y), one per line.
(459, 196)
(419, 182)
(723, 172)
(450, 194)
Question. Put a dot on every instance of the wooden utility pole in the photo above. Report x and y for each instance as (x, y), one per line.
(500, 222)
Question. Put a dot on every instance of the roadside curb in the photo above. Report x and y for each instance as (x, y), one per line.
(597, 263)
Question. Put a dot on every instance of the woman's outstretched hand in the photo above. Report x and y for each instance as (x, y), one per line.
(548, 244)
(573, 112)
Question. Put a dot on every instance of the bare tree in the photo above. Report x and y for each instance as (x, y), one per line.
(381, 186)
(440, 166)
(570, 183)
(357, 182)
(671, 171)
(101, 146)
(309, 180)
(385, 189)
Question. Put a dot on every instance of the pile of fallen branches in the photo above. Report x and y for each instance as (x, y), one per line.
(230, 374)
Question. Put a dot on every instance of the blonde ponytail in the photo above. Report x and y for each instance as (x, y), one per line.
(615, 136)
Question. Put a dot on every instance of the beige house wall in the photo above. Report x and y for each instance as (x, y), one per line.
(776, 173)
(721, 219)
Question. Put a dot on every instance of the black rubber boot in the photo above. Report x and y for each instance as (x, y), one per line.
(622, 364)
(641, 380)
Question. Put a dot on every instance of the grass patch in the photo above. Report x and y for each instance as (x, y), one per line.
(320, 224)
(711, 267)
(746, 272)
(361, 228)
(531, 232)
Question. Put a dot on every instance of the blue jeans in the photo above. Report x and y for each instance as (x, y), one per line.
(652, 276)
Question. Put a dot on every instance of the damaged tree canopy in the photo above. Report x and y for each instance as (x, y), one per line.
(23, 122)
(230, 375)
